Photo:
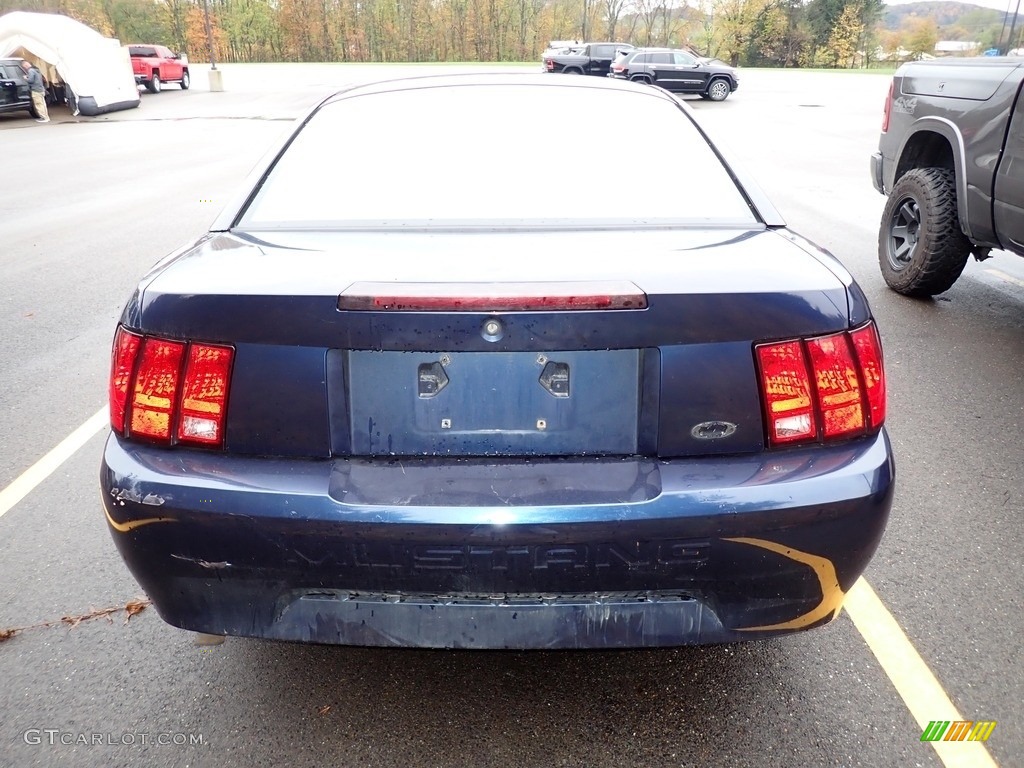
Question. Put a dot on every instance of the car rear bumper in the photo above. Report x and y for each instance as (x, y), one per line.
(498, 553)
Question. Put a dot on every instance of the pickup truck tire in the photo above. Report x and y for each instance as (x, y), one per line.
(185, 80)
(718, 89)
(921, 249)
(154, 84)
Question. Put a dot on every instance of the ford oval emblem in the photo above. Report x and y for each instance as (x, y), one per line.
(713, 430)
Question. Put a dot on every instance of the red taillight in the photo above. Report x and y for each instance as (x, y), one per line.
(868, 348)
(162, 389)
(156, 388)
(204, 394)
(827, 387)
(888, 107)
(122, 364)
(549, 64)
(787, 392)
(837, 386)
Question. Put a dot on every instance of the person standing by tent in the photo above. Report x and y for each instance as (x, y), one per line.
(38, 88)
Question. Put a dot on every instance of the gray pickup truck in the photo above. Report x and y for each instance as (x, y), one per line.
(951, 160)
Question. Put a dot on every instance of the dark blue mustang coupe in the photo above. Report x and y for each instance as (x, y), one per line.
(405, 394)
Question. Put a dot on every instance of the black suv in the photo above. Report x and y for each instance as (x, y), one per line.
(677, 71)
(14, 91)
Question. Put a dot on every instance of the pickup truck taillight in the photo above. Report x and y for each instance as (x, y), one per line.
(888, 107)
(549, 64)
(169, 391)
(822, 388)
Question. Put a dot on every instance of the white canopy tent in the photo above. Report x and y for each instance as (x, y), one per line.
(95, 70)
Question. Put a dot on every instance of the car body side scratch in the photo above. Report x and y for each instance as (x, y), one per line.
(203, 563)
(130, 494)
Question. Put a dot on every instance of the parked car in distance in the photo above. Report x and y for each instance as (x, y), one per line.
(589, 59)
(677, 71)
(446, 413)
(555, 46)
(950, 159)
(14, 90)
(155, 65)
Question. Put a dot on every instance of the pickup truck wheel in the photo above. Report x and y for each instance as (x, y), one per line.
(154, 84)
(719, 90)
(921, 249)
(185, 80)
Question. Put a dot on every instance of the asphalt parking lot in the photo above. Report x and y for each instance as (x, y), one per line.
(87, 205)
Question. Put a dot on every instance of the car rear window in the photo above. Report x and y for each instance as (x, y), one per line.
(466, 154)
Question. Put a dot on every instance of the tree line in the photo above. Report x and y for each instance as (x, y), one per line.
(780, 33)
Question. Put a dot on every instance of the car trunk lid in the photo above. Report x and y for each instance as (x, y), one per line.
(493, 380)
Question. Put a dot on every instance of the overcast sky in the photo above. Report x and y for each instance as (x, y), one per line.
(999, 5)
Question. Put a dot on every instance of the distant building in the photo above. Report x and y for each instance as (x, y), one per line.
(899, 56)
(956, 48)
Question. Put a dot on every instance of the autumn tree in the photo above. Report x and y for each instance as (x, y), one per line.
(921, 35)
(251, 30)
(131, 21)
(768, 39)
(612, 10)
(195, 33)
(845, 36)
(735, 22)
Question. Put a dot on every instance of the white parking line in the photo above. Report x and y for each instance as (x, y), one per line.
(43, 468)
(914, 681)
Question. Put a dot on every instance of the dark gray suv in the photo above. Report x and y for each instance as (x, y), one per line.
(677, 71)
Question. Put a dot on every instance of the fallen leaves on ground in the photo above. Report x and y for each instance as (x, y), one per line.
(131, 608)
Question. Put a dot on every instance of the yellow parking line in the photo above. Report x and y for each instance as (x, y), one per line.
(1003, 276)
(914, 681)
(43, 468)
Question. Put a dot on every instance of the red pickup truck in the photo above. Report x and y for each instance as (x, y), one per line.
(155, 65)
